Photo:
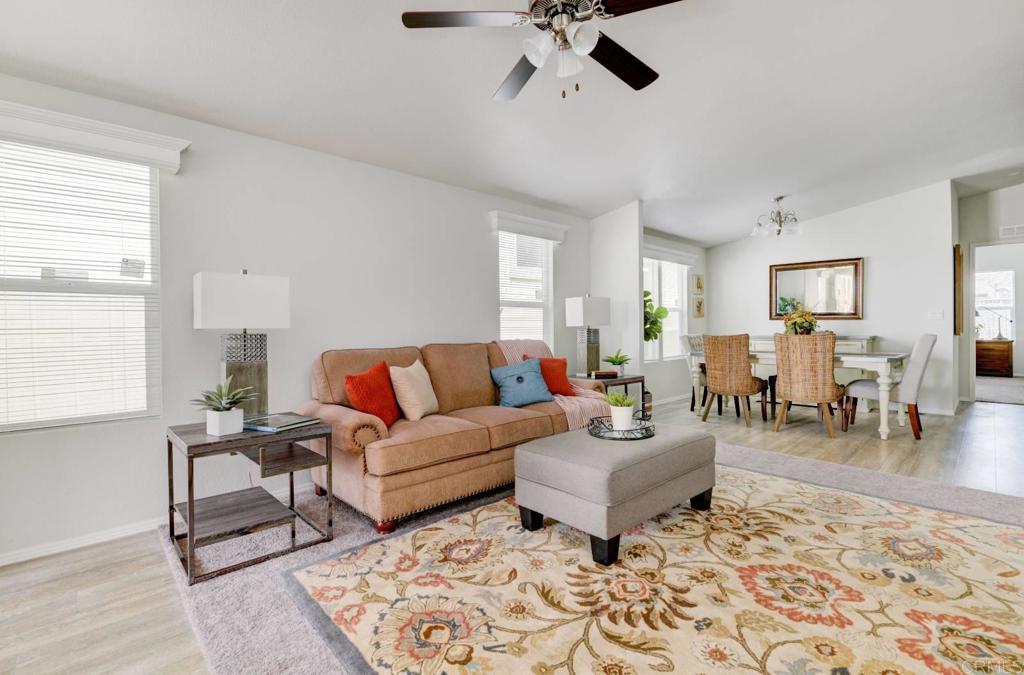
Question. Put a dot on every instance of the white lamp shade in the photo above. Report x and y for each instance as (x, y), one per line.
(583, 36)
(237, 301)
(538, 48)
(587, 311)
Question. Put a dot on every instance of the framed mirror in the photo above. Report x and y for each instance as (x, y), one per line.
(831, 289)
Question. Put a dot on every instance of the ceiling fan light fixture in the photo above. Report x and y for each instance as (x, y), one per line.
(583, 37)
(569, 65)
(538, 48)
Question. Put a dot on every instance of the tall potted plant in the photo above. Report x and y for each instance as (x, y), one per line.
(653, 317)
(223, 414)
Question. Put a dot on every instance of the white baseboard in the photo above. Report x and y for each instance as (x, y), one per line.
(672, 399)
(72, 543)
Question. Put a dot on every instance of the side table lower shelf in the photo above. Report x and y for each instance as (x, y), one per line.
(243, 512)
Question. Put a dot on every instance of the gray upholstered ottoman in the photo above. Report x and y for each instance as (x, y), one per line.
(606, 487)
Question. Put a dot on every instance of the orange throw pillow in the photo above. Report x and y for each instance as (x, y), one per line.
(371, 392)
(556, 375)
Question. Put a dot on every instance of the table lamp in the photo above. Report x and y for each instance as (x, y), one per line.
(243, 301)
(585, 314)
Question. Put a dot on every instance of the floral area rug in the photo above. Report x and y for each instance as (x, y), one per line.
(779, 577)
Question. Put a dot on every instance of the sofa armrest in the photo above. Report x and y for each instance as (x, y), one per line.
(587, 383)
(353, 430)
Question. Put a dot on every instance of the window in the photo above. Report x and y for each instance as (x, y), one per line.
(994, 302)
(524, 286)
(667, 283)
(79, 288)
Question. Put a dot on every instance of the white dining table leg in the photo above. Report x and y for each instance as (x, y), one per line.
(901, 414)
(884, 385)
(695, 378)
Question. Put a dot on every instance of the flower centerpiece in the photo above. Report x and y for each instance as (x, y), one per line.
(800, 321)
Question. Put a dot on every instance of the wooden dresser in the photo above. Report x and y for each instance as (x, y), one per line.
(994, 357)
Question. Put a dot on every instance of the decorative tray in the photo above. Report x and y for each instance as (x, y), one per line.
(601, 427)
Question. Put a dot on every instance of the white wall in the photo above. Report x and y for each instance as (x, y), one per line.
(670, 380)
(906, 241)
(615, 273)
(1000, 258)
(375, 257)
(981, 216)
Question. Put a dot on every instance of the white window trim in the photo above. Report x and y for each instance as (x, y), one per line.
(503, 221)
(60, 131)
(35, 126)
(659, 254)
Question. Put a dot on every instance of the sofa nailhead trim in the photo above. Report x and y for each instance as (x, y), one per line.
(447, 501)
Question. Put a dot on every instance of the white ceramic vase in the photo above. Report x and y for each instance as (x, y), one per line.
(622, 418)
(223, 423)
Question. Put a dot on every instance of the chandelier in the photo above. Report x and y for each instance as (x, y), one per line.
(777, 221)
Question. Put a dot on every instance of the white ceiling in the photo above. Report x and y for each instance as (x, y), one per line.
(833, 102)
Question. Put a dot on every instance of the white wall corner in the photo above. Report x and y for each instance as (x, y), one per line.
(25, 124)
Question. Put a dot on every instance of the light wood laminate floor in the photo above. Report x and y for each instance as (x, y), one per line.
(114, 607)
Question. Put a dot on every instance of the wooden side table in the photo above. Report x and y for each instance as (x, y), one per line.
(235, 514)
(624, 381)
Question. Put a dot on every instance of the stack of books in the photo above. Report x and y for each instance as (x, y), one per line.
(278, 422)
(605, 374)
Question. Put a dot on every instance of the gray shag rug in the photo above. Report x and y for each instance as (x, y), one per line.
(246, 621)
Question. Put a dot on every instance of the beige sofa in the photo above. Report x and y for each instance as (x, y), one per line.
(465, 449)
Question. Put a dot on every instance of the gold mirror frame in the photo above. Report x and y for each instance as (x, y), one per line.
(858, 271)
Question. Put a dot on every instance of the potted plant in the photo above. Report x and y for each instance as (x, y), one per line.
(223, 414)
(653, 316)
(800, 321)
(619, 360)
(622, 410)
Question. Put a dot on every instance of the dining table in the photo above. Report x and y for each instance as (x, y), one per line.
(884, 364)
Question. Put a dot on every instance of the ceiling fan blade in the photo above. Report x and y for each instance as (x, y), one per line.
(516, 80)
(623, 65)
(460, 19)
(620, 7)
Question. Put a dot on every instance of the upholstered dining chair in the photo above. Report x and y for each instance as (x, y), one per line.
(902, 393)
(695, 343)
(806, 371)
(727, 358)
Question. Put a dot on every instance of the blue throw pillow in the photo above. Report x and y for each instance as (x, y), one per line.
(521, 384)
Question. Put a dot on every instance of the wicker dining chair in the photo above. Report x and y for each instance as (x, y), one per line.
(806, 371)
(727, 358)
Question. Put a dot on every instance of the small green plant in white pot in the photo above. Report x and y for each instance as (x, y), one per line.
(619, 360)
(223, 414)
(622, 410)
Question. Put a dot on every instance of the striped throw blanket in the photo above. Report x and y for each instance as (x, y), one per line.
(578, 409)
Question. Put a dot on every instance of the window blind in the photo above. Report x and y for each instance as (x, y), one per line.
(79, 288)
(524, 286)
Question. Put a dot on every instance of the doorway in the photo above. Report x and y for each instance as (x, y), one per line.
(998, 313)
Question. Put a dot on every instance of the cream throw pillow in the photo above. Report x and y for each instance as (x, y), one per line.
(413, 390)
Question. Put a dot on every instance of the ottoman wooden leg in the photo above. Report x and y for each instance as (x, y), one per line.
(702, 502)
(318, 491)
(531, 519)
(604, 551)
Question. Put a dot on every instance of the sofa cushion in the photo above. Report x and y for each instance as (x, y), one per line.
(371, 392)
(461, 375)
(556, 375)
(559, 422)
(431, 440)
(507, 426)
(520, 384)
(330, 369)
(413, 390)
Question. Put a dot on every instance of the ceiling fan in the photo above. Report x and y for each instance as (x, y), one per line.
(565, 29)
